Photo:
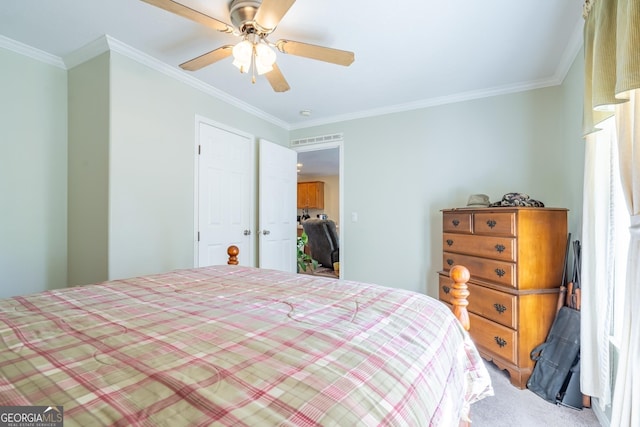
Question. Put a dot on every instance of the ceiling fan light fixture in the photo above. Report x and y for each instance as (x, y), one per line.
(242, 66)
(265, 58)
(254, 21)
(254, 52)
(242, 55)
(262, 69)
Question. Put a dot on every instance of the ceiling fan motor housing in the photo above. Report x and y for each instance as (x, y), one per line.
(243, 13)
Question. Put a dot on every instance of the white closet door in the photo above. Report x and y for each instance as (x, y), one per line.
(226, 202)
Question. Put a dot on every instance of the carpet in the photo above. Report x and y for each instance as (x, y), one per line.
(320, 271)
(511, 406)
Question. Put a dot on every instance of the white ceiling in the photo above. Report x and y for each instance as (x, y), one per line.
(408, 54)
(319, 162)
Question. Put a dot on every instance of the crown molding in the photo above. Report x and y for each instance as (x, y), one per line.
(107, 43)
(571, 51)
(568, 57)
(87, 52)
(432, 102)
(31, 52)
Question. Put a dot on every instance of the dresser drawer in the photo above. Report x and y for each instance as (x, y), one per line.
(444, 288)
(501, 272)
(457, 222)
(493, 305)
(503, 248)
(495, 223)
(489, 303)
(498, 339)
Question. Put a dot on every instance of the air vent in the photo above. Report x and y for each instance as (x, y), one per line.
(316, 140)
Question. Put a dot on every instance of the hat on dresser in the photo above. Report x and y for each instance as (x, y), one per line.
(478, 200)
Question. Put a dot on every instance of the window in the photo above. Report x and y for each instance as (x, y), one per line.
(619, 220)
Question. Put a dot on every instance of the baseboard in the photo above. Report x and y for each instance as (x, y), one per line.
(600, 415)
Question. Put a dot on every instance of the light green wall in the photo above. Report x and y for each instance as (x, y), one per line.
(33, 175)
(131, 166)
(401, 169)
(152, 165)
(88, 171)
(571, 152)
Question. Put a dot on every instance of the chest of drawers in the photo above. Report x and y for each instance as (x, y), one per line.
(516, 258)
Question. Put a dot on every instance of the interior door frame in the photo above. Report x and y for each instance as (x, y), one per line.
(325, 146)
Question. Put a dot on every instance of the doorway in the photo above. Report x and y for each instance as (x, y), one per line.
(226, 201)
(323, 162)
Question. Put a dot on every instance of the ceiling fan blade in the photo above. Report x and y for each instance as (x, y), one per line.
(277, 80)
(207, 58)
(194, 15)
(326, 54)
(271, 12)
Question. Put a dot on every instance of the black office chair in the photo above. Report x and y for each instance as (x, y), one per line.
(323, 241)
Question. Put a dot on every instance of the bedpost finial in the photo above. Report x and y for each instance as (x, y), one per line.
(233, 252)
(459, 273)
(460, 276)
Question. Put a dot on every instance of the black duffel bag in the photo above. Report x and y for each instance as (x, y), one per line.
(555, 357)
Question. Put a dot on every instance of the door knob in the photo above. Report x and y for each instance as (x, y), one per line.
(247, 232)
(265, 232)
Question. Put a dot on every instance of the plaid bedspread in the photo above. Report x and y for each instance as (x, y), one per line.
(238, 346)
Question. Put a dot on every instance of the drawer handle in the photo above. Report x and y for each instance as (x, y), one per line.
(500, 272)
(499, 308)
(450, 262)
(446, 289)
(500, 248)
(455, 222)
(501, 343)
(449, 242)
(491, 223)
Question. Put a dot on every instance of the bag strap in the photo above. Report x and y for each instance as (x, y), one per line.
(536, 353)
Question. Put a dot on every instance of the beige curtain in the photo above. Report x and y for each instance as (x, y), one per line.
(599, 239)
(626, 396)
(612, 87)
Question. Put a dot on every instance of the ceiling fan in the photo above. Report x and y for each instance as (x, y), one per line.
(253, 21)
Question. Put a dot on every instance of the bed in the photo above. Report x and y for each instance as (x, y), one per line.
(238, 346)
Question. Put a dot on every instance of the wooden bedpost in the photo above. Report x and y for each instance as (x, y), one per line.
(460, 276)
(233, 252)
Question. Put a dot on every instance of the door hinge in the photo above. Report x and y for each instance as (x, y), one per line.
(199, 149)
(198, 236)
